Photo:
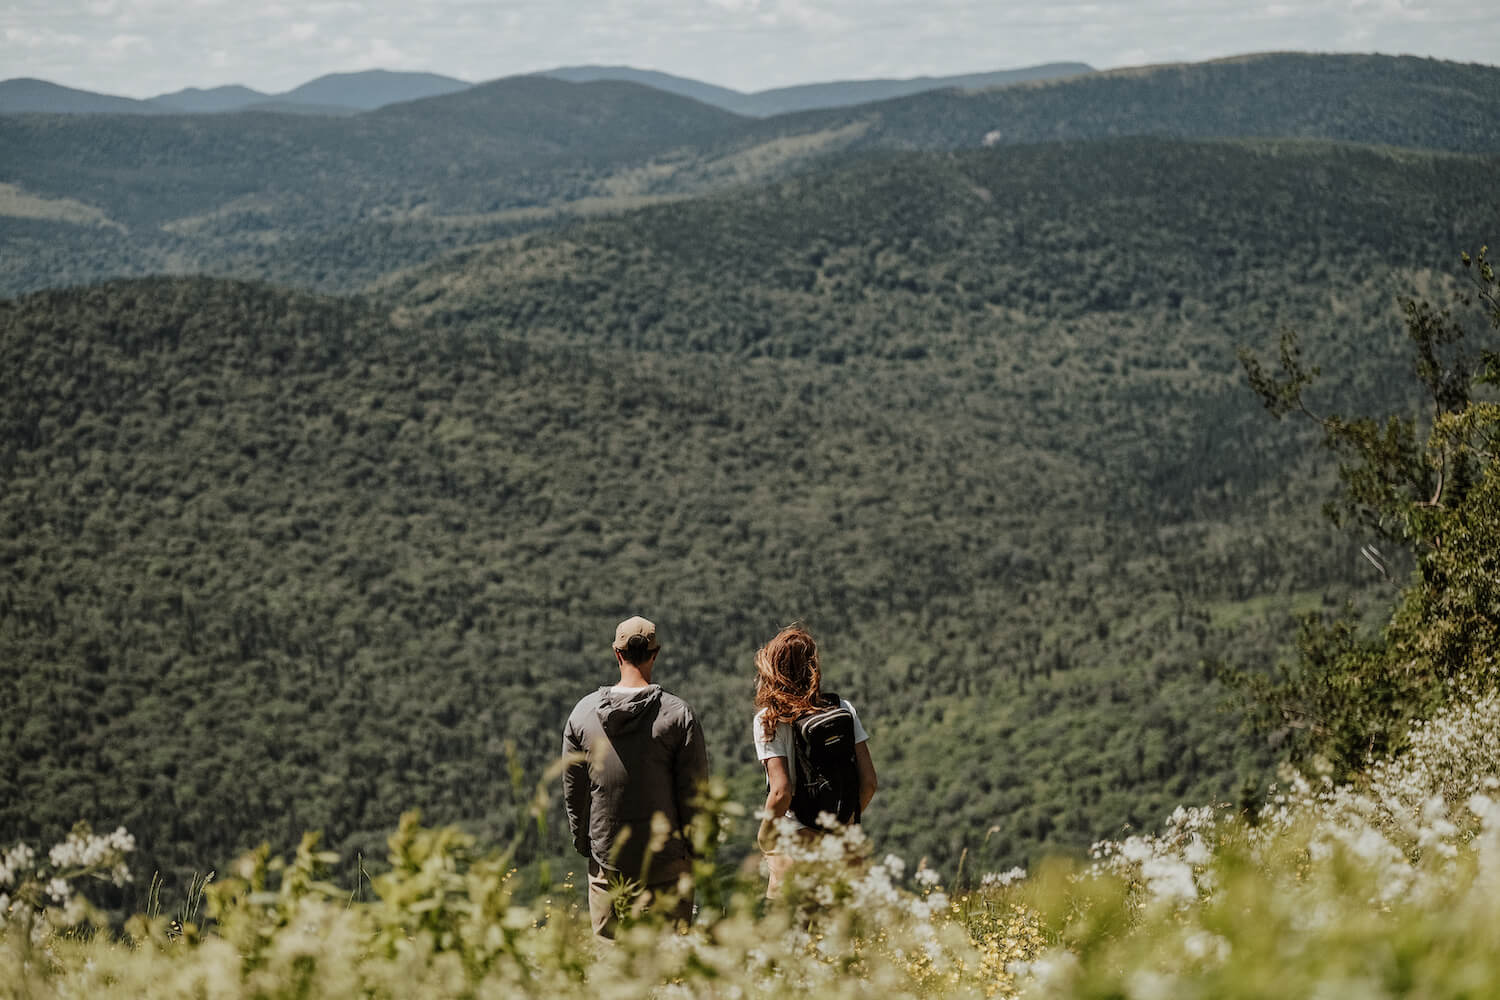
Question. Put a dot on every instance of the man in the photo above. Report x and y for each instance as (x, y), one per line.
(629, 794)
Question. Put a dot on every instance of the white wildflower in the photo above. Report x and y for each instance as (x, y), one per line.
(830, 849)
(15, 861)
(854, 838)
(1135, 849)
(1053, 970)
(992, 880)
(1169, 880)
(1204, 945)
(926, 877)
(1148, 984)
(74, 912)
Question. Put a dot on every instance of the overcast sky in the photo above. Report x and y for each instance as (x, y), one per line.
(140, 48)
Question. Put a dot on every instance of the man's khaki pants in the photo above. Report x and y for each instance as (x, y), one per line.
(605, 889)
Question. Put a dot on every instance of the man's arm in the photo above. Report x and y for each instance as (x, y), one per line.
(691, 771)
(866, 768)
(577, 796)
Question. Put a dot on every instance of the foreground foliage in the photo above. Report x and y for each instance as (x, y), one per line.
(1385, 887)
(1428, 482)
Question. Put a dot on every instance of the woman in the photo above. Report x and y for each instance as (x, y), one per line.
(788, 685)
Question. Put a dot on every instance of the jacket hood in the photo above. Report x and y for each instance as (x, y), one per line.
(622, 711)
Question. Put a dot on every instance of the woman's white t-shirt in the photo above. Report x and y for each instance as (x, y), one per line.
(780, 744)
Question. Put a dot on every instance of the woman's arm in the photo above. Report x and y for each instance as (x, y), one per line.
(867, 780)
(778, 800)
(779, 790)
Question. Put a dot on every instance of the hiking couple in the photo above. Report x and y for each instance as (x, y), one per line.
(638, 761)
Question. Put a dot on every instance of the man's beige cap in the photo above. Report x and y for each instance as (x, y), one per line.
(632, 627)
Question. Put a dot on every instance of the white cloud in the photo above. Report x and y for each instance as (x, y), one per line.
(123, 46)
(299, 31)
(383, 53)
(45, 38)
(807, 16)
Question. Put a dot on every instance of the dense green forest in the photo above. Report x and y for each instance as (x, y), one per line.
(261, 544)
(1383, 878)
(961, 397)
(275, 562)
(333, 203)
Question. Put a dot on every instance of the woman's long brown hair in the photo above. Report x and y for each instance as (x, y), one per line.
(787, 678)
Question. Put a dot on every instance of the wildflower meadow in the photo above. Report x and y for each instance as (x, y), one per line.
(1384, 886)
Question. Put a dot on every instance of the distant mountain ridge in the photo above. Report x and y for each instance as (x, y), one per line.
(1385, 100)
(335, 203)
(213, 99)
(811, 96)
(372, 89)
(846, 93)
(25, 95)
(345, 93)
(333, 94)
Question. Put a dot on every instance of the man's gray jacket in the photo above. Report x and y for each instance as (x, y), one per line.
(644, 755)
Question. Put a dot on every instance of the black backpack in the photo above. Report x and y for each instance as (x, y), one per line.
(827, 779)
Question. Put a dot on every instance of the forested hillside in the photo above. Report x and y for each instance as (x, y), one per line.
(1397, 101)
(272, 566)
(1190, 244)
(334, 203)
(276, 562)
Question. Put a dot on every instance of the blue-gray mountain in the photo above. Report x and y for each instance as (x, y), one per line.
(334, 94)
(345, 93)
(335, 203)
(806, 97)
